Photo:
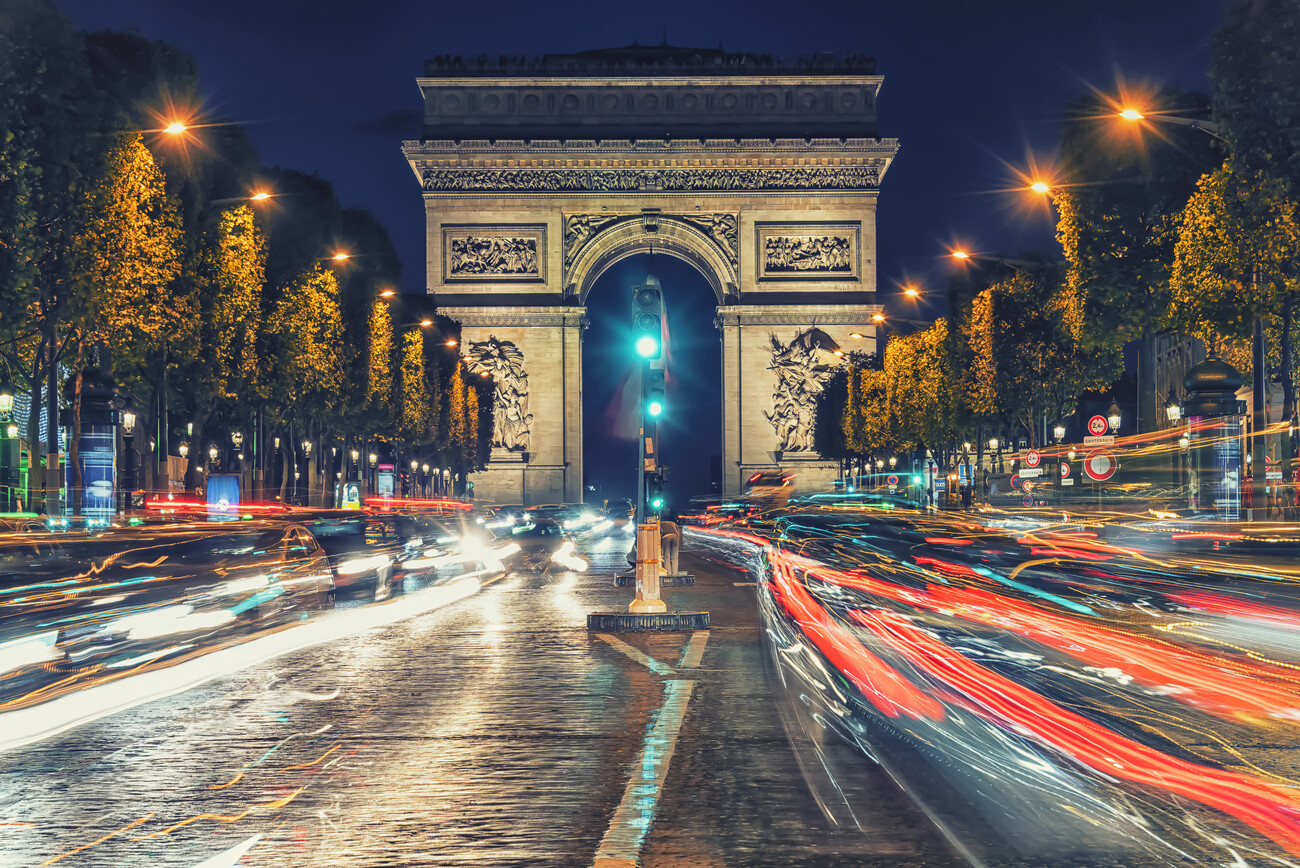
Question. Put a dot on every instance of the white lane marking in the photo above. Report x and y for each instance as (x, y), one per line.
(27, 725)
(745, 584)
(230, 858)
(694, 650)
(622, 843)
(648, 662)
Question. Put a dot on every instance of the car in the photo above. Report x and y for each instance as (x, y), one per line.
(542, 542)
(79, 607)
(363, 549)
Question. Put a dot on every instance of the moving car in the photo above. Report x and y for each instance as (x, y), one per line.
(364, 549)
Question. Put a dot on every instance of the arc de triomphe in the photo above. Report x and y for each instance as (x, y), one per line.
(539, 175)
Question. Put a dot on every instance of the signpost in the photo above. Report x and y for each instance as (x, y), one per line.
(1100, 465)
(892, 479)
(1032, 459)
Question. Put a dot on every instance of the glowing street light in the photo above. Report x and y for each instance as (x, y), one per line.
(1131, 114)
(341, 256)
(1040, 187)
(877, 317)
(387, 293)
(960, 254)
(857, 336)
(175, 128)
(259, 196)
(451, 342)
(911, 291)
(425, 323)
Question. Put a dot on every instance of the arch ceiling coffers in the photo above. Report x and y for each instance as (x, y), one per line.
(594, 242)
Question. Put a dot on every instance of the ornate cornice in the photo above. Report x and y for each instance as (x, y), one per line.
(456, 148)
(795, 315)
(651, 180)
(503, 317)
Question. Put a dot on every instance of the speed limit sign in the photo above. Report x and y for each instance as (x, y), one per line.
(1097, 426)
(1032, 458)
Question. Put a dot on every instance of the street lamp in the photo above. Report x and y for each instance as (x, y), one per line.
(237, 438)
(183, 449)
(373, 459)
(1058, 432)
(355, 455)
(1113, 416)
(6, 398)
(1173, 409)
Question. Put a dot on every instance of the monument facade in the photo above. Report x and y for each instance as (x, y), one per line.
(539, 175)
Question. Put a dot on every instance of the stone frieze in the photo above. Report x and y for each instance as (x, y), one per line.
(651, 180)
(494, 253)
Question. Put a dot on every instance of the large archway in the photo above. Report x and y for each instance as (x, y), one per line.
(540, 178)
(691, 428)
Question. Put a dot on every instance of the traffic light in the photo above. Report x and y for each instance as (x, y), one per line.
(647, 311)
(654, 393)
(654, 492)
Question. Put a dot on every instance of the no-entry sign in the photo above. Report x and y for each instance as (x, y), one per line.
(1100, 465)
(1098, 426)
(1065, 470)
(1032, 458)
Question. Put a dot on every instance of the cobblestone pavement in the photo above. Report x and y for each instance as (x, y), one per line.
(494, 732)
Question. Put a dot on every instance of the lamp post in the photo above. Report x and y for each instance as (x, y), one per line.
(212, 457)
(8, 448)
(995, 455)
(1114, 416)
(128, 456)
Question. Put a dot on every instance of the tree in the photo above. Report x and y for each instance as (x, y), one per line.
(1118, 203)
(921, 387)
(379, 392)
(305, 333)
(413, 399)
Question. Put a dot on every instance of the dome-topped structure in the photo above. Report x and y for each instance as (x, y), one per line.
(1212, 389)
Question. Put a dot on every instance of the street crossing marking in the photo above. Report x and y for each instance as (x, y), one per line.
(621, 846)
(694, 650)
(648, 662)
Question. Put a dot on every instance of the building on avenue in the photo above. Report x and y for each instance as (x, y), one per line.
(538, 175)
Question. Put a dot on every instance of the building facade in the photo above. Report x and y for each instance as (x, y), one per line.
(762, 174)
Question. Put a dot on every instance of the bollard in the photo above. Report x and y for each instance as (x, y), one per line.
(647, 570)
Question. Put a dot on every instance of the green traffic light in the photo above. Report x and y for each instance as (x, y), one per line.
(657, 503)
(646, 346)
(655, 408)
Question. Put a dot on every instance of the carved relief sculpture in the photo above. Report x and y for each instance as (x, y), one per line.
(474, 255)
(802, 368)
(722, 229)
(478, 253)
(614, 180)
(579, 229)
(808, 251)
(505, 363)
(786, 253)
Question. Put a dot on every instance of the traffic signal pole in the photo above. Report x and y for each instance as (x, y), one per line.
(648, 543)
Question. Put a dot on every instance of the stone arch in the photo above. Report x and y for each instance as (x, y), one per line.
(628, 236)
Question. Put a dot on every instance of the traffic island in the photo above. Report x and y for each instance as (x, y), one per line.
(628, 580)
(646, 622)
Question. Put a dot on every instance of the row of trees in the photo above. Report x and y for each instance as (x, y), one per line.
(142, 252)
(1166, 231)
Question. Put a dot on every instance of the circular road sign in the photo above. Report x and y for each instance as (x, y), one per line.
(892, 479)
(1032, 458)
(1015, 482)
(1100, 465)
(1027, 485)
(1098, 426)
(1065, 470)
(1028, 500)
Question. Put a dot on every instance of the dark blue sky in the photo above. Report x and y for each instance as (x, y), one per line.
(971, 89)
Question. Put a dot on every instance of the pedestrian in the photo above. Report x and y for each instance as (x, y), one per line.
(669, 544)
(965, 496)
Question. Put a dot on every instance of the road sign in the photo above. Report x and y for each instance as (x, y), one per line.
(1015, 482)
(1067, 482)
(1103, 440)
(1065, 470)
(892, 479)
(1032, 458)
(1098, 425)
(1100, 465)
(1027, 486)
(1027, 500)
(1031, 472)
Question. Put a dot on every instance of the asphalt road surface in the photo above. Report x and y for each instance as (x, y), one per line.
(495, 731)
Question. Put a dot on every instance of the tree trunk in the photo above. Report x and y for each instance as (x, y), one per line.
(74, 437)
(1288, 398)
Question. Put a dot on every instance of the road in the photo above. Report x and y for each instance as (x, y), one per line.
(493, 731)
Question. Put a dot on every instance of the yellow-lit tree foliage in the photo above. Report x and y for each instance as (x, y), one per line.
(413, 411)
(921, 387)
(379, 367)
(233, 307)
(307, 332)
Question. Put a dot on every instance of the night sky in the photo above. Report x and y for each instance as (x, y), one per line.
(973, 91)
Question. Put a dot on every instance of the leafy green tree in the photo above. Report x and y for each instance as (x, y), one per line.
(379, 392)
(921, 387)
(304, 334)
(413, 399)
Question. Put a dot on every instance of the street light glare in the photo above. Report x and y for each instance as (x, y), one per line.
(425, 323)
(1131, 114)
(175, 128)
(260, 196)
(1040, 187)
(911, 291)
(340, 256)
(857, 336)
(877, 317)
(451, 342)
(960, 254)
(386, 293)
